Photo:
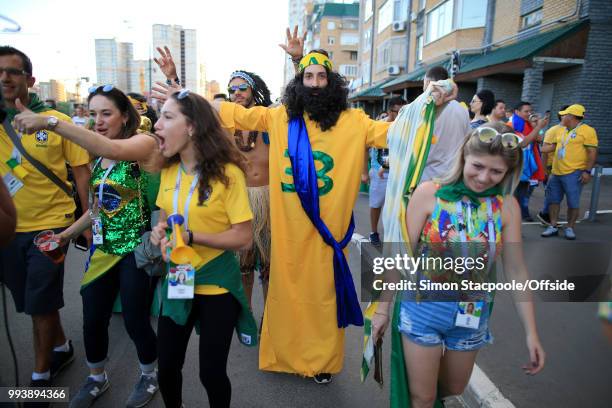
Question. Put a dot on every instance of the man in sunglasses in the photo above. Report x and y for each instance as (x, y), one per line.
(35, 282)
(248, 89)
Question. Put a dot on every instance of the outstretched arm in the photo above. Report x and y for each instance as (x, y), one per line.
(138, 147)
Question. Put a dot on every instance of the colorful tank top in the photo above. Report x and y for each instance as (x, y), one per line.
(124, 209)
(454, 223)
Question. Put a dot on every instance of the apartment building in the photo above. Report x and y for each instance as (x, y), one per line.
(547, 52)
(383, 49)
(335, 28)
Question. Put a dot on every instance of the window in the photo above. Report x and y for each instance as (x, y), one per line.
(353, 55)
(400, 10)
(419, 48)
(470, 13)
(316, 44)
(331, 40)
(440, 21)
(350, 24)
(532, 19)
(365, 72)
(367, 11)
(348, 70)
(349, 39)
(331, 55)
(385, 16)
(421, 4)
(367, 39)
(331, 25)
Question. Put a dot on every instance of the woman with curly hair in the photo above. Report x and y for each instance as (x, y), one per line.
(203, 181)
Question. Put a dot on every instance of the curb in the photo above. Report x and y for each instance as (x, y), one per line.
(480, 392)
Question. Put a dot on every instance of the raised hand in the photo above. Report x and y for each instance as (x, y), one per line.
(166, 63)
(26, 121)
(162, 92)
(295, 44)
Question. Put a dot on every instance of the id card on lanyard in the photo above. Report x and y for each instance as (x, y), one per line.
(16, 171)
(468, 313)
(181, 278)
(94, 213)
(567, 138)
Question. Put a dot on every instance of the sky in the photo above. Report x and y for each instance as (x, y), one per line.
(58, 35)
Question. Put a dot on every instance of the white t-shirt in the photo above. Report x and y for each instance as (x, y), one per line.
(451, 127)
(79, 121)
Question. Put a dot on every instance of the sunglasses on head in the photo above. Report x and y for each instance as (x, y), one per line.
(488, 135)
(105, 88)
(13, 71)
(182, 94)
(232, 89)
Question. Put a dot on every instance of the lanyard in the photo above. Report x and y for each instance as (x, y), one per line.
(177, 187)
(569, 135)
(102, 182)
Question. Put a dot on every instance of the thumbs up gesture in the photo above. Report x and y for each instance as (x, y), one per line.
(26, 121)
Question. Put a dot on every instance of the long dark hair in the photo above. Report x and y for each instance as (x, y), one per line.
(123, 104)
(325, 107)
(212, 145)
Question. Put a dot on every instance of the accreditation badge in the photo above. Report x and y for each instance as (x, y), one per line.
(181, 281)
(468, 314)
(12, 183)
(96, 230)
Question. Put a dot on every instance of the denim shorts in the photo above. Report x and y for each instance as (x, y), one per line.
(433, 324)
(568, 184)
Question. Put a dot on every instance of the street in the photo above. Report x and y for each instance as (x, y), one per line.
(577, 372)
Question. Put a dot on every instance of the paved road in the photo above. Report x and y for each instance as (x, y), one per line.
(577, 374)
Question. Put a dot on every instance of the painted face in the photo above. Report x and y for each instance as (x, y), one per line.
(524, 112)
(14, 81)
(244, 98)
(481, 172)
(108, 120)
(499, 111)
(315, 76)
(172, 129)
(476, 104)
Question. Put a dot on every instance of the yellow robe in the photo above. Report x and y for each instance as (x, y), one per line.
(300, 333)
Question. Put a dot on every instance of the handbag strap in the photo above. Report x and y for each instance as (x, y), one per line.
(38, 165)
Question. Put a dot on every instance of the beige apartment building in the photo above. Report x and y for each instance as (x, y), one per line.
(547, 52)
(335, 28)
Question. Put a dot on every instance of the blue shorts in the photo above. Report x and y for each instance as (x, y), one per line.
(433, 323)
(568, 184)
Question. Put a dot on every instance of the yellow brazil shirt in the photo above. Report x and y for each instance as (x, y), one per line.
(223, 207)
(40, 203)
(549, 137)
(575, 143)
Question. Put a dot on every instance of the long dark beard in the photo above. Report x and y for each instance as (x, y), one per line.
(323, 105)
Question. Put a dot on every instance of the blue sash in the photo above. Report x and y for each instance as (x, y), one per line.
(348, 310)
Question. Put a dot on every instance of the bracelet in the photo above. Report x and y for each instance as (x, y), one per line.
(296, 60)
(190, 241)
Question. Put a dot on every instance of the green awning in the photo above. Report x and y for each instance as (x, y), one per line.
(373, 92)
(526, 48)
(523, 49)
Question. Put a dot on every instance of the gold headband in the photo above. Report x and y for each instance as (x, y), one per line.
(314, 58)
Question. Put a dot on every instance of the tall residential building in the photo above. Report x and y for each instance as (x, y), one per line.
(212, 88)
(202, 80)
(114, 63)
(43, 90)
(296, 18)
(335, 28)
(183, 45)
(383, 44)
(547, 52)
(141, 76)
(58, 91)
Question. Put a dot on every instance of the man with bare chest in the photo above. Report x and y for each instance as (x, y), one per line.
(248, 90)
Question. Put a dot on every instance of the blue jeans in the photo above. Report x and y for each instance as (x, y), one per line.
(433, 324)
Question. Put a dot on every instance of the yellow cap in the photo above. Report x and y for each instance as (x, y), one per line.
(576, 110)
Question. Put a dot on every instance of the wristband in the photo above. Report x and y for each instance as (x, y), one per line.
(587, 171)
(296, 60)
(190, 241)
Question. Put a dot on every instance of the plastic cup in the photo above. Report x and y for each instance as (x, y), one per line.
(46, 243)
